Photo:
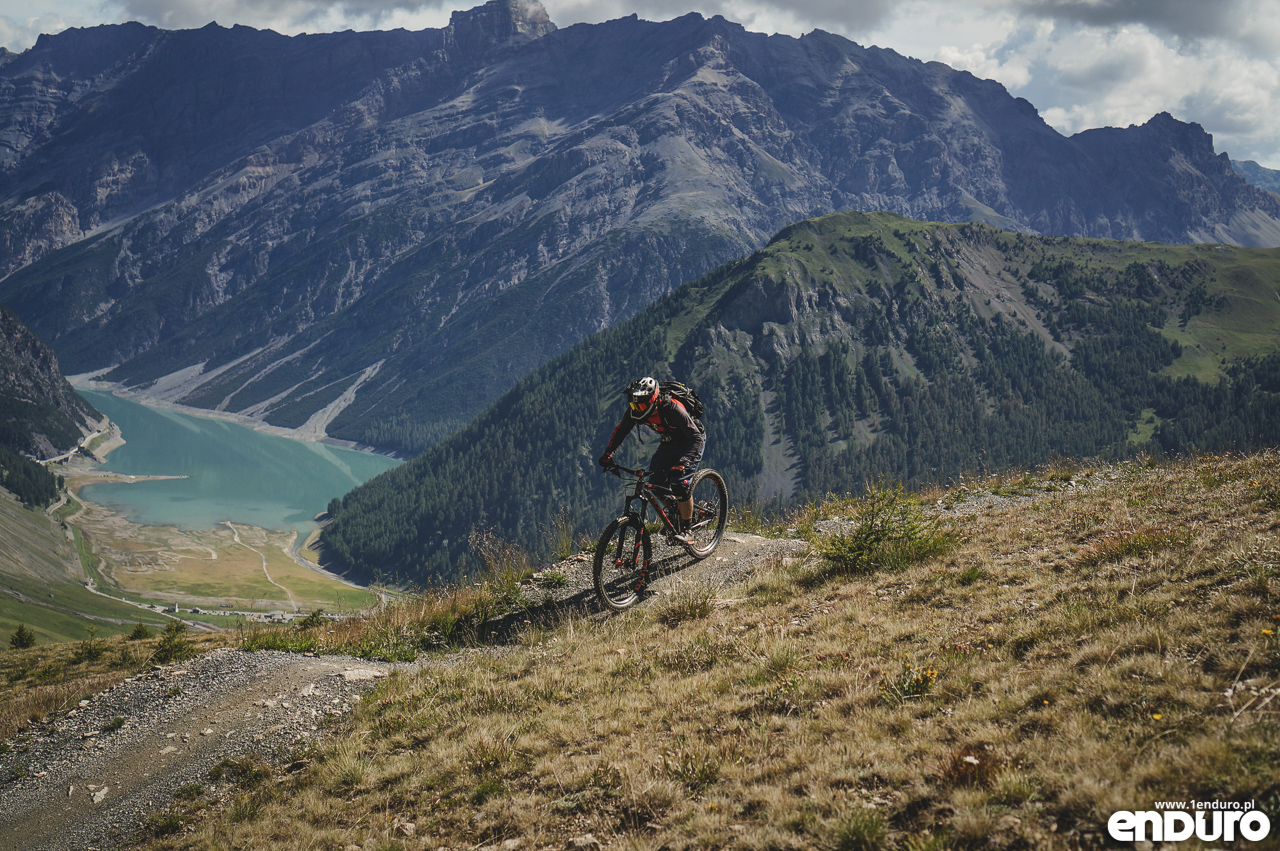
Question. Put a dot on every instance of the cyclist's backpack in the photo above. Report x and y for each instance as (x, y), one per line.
(685, 395)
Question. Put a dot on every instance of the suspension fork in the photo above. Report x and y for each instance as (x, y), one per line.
(636, 551)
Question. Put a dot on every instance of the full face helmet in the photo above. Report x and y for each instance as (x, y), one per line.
(642, 395)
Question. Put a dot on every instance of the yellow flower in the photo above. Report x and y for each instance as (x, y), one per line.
(1268, 632)
(1157, 716)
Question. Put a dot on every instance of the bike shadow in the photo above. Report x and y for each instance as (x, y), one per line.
(555, 609)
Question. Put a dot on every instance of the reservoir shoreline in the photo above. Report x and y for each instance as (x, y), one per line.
(167, 465)
(90, 381)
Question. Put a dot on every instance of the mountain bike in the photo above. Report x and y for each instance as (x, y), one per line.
(622, 561)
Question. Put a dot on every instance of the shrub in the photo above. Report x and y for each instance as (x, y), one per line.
(888, 530)
(22, 638)
(140, 632)
(313, 620)
(91, 649)
(173, 645)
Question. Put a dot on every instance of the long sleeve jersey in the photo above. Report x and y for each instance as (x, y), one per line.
(668, 418)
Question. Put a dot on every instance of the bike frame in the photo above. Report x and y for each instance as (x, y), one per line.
(645, 494)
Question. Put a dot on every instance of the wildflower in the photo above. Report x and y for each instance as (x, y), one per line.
(1268, 632)
(1157, 716)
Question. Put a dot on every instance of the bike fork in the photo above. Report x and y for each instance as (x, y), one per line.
(644, 568)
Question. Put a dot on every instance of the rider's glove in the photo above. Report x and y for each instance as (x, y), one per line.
(606, 459)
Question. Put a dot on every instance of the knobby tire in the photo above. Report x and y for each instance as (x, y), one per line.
(621, 562)
(710, 511)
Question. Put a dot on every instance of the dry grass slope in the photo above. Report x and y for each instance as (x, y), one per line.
(1093, 639)
(48, 680)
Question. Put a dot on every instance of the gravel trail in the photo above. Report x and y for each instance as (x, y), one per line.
(90, 778)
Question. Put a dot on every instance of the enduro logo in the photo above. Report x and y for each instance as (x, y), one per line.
(1208, 821)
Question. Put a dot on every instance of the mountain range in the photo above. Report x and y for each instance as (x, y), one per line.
(371, 236)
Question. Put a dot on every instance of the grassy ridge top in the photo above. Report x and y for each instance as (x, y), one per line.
(1096, 638)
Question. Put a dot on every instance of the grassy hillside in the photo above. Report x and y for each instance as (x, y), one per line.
(41, 582)
(1092, 638)
(854, 346)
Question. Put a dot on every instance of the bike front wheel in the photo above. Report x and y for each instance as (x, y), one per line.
(622, 563)
(710, 510)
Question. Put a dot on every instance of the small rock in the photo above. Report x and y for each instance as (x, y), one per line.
(207, 731)
(100, 795)
(512, 845)
(358, 674)
(407, 828)
(586, 842)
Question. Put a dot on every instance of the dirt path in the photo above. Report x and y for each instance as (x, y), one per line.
(92, 777)
(235, 533)
(78, 783)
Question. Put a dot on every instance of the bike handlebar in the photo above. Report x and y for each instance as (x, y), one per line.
(618, 470)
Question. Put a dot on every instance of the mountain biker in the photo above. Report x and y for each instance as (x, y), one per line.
(683, 440)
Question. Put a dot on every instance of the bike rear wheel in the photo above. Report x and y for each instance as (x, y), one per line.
(622, 563)
(710, 510)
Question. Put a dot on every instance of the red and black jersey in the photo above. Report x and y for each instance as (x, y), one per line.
(668, 418)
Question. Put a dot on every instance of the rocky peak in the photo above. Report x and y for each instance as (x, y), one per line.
(500, 22)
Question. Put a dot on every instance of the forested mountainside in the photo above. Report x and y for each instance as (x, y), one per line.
(370, 235)
(855, 346)
(40, 415)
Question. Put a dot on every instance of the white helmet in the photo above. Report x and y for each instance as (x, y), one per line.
(642, 394)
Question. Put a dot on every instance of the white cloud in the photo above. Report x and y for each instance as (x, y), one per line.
(287, 16)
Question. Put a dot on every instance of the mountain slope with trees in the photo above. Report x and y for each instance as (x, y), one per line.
(855, 346)
(335, 232)
(40, 415)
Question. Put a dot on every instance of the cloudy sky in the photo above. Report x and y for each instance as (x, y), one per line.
(1083, 63)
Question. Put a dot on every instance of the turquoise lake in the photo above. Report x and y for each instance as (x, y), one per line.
(233, 472)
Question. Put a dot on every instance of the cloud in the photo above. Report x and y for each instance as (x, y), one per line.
(18, 32)
(1096, 70)
(1251, 23)
(287, 16)
(769, 16)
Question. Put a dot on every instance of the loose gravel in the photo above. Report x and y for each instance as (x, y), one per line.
(91, 778)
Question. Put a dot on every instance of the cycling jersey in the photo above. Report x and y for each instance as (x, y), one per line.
(668, 418)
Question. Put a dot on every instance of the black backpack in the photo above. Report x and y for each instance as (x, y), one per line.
(685, 395)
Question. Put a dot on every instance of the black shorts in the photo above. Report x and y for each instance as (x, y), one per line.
(687, 455)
